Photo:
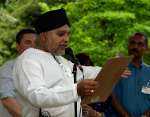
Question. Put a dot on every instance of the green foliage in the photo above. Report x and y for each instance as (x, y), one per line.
(99, 28)
(15, 15)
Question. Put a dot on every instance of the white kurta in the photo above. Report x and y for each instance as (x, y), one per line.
(42, 82)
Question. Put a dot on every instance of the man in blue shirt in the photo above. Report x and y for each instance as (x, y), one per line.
(9, 107)
(127, 99)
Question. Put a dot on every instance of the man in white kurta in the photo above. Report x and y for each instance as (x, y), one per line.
(43, 79)
(42, 82)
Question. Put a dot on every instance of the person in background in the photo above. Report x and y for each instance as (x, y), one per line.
(9, 107)
(127, 99)
(84, 59)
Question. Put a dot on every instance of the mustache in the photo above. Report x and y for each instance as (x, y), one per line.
(134, 50)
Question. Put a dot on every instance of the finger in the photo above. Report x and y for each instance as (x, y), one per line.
(89, 93)
(92, 89)
(92, 83)
(126, 73)
(85, 113)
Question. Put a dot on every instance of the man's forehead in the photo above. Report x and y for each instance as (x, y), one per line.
(29, 36)
(137, 38)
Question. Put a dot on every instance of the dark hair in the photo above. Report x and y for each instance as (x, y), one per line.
(84, 59)
(142, 35)
(20, 34)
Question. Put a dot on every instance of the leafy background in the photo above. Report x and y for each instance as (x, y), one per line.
(99, 28)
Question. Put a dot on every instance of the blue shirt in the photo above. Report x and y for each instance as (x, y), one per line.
(6, 81)
(128, 90)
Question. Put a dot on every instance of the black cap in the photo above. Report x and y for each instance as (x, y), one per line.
(51, 20)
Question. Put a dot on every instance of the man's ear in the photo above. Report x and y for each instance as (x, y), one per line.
(17, 47)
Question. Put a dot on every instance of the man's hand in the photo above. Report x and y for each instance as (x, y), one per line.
(89, 112)
(147, 113)
(12, 106)
(126, 73)
(86, 87)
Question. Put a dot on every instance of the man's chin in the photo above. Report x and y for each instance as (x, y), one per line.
(60, 53)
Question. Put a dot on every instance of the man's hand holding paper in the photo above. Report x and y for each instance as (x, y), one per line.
(87, 87)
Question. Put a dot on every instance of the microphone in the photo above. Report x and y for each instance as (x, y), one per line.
(74, 72)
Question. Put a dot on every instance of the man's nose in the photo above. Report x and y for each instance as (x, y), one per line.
(135, 45)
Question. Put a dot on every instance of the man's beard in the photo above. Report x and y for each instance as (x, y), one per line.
(59, 53)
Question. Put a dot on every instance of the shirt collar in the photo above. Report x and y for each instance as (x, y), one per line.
(133, 66)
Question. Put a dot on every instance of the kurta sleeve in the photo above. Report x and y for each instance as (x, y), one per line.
(90, 72)
(6, 81)
(6, 88)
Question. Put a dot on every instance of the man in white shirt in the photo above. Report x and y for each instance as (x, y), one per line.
(9, 107)
(44, 79)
